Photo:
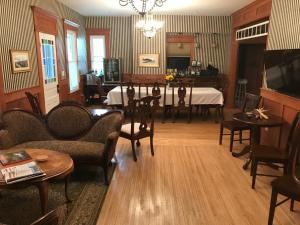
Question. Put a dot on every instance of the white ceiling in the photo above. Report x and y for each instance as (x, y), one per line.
(170, 7)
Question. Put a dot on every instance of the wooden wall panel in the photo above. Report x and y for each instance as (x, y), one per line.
(283, 106)
(255, 11)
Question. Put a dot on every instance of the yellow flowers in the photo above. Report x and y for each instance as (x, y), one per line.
(169, 77)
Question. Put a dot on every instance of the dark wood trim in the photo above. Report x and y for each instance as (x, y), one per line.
(286, 100)
(45, 22)
(189, 39)
(180, 39)
(90, 32)
(253, 12)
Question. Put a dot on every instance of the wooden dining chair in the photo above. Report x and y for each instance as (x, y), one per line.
(289, 184)
(251, 102)
(35, 104)
(142, 123)
(160, 103)
(130, 94)
(262, 154)
(182, 105)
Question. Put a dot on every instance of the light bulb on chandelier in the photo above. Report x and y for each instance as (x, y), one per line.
(149, 26)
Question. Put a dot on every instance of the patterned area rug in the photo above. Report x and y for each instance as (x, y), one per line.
(86, 189)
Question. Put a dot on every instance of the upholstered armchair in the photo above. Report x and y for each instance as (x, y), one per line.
(66, 128)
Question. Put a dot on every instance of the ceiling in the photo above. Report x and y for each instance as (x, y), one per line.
(170, 7)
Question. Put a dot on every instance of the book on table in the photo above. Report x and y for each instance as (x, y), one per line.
(27, 171)
(14, 157)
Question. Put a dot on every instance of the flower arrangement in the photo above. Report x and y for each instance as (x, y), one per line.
(169, 77)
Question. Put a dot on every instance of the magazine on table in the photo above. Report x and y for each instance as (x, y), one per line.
(27, 171)
(14, 157)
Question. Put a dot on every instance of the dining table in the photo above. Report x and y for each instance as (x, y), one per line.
(255, 124)
(200, 95)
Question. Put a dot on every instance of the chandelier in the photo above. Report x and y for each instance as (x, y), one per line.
(142, 7)
(149, 26)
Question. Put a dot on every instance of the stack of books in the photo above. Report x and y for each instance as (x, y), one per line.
(20, 172)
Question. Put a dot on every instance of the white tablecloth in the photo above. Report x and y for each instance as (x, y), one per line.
(200, 96)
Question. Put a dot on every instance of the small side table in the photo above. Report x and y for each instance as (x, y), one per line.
(255, 124)
(57, 166)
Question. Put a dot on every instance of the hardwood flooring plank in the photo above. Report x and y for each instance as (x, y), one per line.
(191, 180)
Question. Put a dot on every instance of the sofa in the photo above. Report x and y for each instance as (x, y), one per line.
(67, 128)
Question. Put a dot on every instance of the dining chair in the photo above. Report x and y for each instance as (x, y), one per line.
(289, 184)
(250, 103)
(35, 104)
(181, 104)
(141, 124)
(158, 103)
(130, 94)
(262, 154)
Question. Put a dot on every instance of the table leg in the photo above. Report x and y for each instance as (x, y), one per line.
(67, 178)
(255, 140)
(43, 191)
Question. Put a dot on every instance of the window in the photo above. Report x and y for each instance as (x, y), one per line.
(72, 60)
(97, 49)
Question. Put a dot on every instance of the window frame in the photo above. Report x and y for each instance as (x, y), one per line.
(73, 27)
(97, 32)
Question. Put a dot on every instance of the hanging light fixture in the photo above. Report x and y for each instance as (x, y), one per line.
(149, 26)
(142, 7)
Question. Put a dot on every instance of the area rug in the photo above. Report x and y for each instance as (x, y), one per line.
(86, 189)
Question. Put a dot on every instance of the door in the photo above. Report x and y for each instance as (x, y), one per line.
(49, 70)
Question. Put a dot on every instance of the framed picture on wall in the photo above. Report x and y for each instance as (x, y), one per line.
(20, 61)
(148, 60)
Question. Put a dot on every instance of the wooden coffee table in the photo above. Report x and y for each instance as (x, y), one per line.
(57, 166)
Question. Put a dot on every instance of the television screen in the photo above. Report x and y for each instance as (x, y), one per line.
(179, 63)
(283, 71)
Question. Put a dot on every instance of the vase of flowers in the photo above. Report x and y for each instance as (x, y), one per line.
(169, 78)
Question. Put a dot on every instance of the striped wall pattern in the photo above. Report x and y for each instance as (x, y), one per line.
(120, 37)
(127, 42)
(285, 25)
(17, 32)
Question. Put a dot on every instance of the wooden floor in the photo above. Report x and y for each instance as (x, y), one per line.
(190, 180)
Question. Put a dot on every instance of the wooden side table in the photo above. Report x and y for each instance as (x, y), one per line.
(57, 166)
(255, 124)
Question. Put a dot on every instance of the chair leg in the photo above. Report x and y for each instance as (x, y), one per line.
(221, 133)
(272, 206)
(254, 171)
(292, 205)
(241, 136)
(138, 143)
(151, 145)
(133, 150)
(231, 140)
(190, 114)
(173, 115)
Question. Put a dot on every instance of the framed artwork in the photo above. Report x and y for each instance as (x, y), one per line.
(20, 61)
(148, 60)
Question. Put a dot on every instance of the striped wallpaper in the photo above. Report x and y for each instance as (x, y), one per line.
(285, 25)
(120, 37)
(127, 42)
(205, 26)
(17, 32)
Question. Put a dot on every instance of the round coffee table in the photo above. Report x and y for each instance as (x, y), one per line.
(57, 166)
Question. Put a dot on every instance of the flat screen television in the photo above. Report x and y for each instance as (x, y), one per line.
(179, 63)
(283, 71)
